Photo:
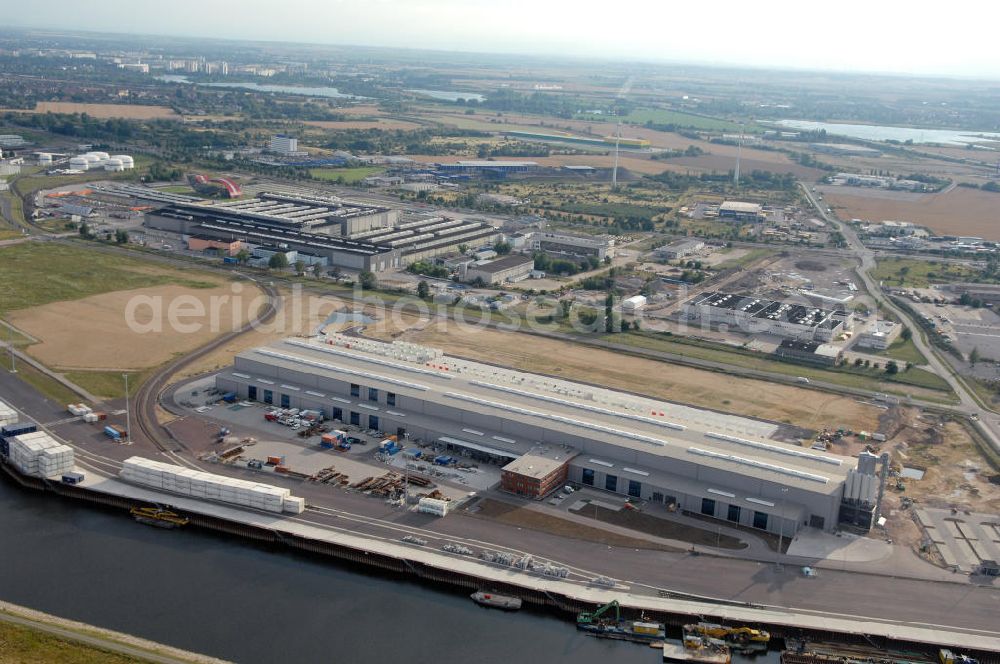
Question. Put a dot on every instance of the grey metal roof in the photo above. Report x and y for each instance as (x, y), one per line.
(728, 450)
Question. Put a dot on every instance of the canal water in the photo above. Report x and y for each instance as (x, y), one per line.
(884, 133)
(227, 598)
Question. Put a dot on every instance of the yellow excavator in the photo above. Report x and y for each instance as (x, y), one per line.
(738, 635)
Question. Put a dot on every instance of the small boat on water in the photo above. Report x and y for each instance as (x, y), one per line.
(158, 517)
(496, 601)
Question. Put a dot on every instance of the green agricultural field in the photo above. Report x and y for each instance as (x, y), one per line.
(345, 175)
(915, 273)
(32, 274)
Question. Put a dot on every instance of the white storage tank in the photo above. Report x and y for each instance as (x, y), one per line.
(100, 155)
(79, 163)
(114, 165)
(44, 158)
(127, 161)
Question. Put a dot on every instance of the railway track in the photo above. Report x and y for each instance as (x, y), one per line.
(394, 532)
(148, 396)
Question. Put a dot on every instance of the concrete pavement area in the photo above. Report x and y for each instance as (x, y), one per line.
(812, 543)
(963, 539)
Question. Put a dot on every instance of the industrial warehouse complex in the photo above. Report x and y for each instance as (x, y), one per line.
(346, 234)
(544, 432)
(751, 315)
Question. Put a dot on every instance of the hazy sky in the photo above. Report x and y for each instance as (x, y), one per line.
(954, 38)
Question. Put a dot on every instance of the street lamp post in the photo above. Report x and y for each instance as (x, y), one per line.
(781, 527)
(128, 414)
(10, 347)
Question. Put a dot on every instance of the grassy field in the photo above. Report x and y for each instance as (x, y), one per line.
(915, 273)
(178, 189)
(29, 646)
(33, 274)
(16, 207)
(905, 351)
(108, 384)
(345, 175)
(871, 379)
(749, 257)
(48, 387)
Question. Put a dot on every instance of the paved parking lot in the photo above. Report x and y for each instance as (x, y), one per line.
(964, 540)
(304, 455)
(968, 327)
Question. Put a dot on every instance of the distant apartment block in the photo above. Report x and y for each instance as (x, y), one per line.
(284, 144)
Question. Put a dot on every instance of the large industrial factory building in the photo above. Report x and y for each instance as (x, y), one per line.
(349, 235)
(545, 431)
(754, 315)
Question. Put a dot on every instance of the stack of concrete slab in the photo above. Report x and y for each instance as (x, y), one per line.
(40, 455)
(199, 484)
(7, 414)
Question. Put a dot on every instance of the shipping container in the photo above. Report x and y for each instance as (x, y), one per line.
(11, 430)
(335, 436)
(72, 478)
(275, 460)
